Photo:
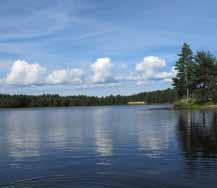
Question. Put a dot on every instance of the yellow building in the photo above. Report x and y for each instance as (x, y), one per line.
(136, 102)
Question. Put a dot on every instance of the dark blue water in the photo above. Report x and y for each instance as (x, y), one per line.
(120, 146)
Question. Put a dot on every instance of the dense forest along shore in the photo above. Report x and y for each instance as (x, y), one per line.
(16, 101)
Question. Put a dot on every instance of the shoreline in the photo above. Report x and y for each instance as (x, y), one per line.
(109, 105)
(184, 105)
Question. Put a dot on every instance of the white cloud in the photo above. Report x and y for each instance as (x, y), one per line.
(66, 76)
(151, 69)
(169, 75)
(25, 73)
(102, 71)
(150, 66)
(151, 62)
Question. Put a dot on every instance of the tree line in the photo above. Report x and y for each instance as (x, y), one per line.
(196, 77)
(7, 101)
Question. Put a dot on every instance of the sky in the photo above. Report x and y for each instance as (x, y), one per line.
(99, 47)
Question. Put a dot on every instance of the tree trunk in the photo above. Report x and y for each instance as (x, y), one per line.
(187, 94)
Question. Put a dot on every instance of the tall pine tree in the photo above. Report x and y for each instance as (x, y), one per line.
(184, 67)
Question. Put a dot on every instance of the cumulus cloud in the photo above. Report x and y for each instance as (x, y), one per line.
(169, 75)
(102, 71)
(151, 69)
(25, 73)
(66, 76)
(151, 62)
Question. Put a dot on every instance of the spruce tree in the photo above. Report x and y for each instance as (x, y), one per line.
(184, 67)
(206, 76)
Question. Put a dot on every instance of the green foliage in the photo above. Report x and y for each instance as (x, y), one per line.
(184, 67)
(164, 96)
(190, 104)
(196, 75)
(205, 76)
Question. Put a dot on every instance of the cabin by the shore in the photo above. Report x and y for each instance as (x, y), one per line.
(136, 102)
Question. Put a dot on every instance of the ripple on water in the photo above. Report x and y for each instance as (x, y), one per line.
(98, 181)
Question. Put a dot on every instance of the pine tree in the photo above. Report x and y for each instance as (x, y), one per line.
(206, 76)
(184, 67)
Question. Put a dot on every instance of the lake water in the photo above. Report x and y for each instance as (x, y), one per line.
(113, 146)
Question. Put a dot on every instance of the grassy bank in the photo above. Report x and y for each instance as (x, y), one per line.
(194, 105)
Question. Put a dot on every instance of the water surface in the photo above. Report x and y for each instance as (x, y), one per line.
(119, 146)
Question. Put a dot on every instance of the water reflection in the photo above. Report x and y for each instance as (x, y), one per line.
(30, 133)
(197, 133)
(154, 134)
(22, 140)
(124, 145)
(102, 139)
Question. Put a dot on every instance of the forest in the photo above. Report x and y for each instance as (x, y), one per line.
(7, 101)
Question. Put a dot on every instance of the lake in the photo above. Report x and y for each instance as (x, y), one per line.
(110, 146)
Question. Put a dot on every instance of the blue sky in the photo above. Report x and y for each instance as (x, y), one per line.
(98, 47)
